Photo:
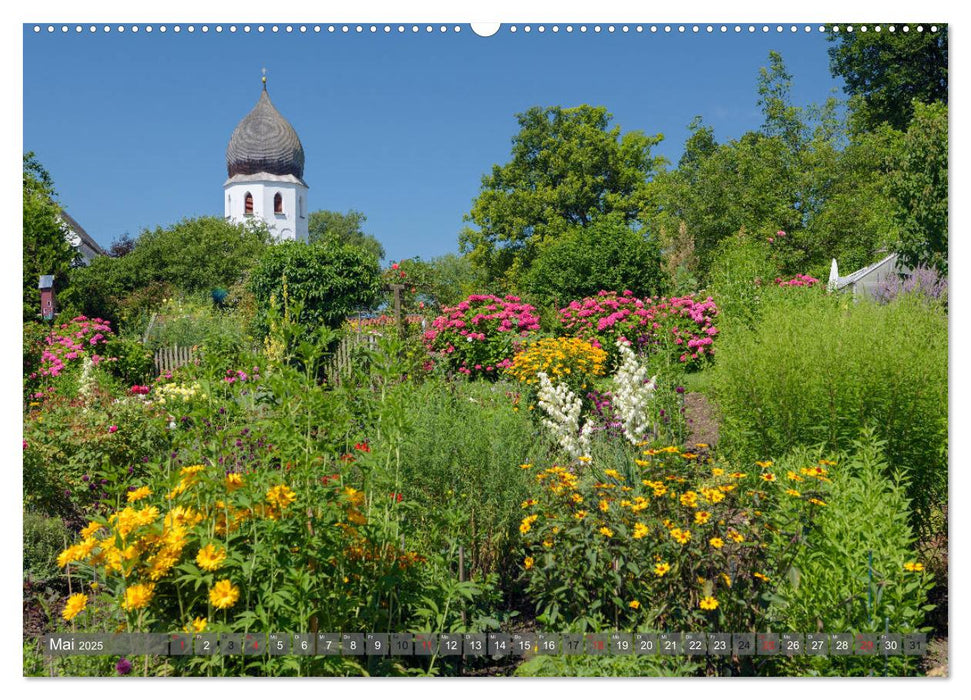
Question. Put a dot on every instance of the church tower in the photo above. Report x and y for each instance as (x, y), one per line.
(264, 161)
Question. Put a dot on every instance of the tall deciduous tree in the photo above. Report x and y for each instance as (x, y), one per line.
(919, 185)
(344, 229)
(569, 169)
(890, 70)
(46, 251)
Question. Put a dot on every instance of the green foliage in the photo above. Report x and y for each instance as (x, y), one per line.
(194, 255)
(335, 228)
(741, 272)
(132, 362)
(634, 665)
(462, 447)
(918, 183)
(46, 251)
(890, 70)
(848, 573)
(816, 369)
(330, 282)
(44, 539)
(568, 169)
(607, 254)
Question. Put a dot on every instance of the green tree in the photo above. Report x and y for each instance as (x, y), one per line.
(568, 169)
(46, 251)
(608, 255)
(335, 227)
(918, 183)
(330, 282)
(891, 70)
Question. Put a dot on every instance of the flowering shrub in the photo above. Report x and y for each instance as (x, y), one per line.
(180, 393)
(72, 342)
(799, 280)
(479, 336)
(570, 361)
(682, 326)
(922, 280)
(210, 550)
(670, 543)
(563, 409)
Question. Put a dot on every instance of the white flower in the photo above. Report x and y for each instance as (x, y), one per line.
(563, 408)
(632, 394)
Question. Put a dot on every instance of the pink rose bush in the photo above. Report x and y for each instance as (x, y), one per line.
(797, 281)
(684, 326)
(70, 343)
(479, 336)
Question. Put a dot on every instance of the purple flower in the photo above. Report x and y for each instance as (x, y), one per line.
(123, 667)
(679, 389)
(85, 478)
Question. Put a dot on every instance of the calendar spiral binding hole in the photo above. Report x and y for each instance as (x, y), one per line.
(456, 29)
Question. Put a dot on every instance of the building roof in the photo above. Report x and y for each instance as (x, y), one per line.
(82, 234)
(854, 277)
(264, 142)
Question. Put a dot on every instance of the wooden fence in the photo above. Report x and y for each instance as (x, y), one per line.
(171, 358)
(342, 362)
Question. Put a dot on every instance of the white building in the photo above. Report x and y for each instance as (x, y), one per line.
(264, 161)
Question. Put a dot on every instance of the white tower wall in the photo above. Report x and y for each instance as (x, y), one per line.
(290, 224)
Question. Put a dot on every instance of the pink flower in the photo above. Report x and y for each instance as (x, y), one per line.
(112, 429)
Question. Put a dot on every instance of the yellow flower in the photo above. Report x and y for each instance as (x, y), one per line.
(913, 566)
(233, 481)
(727, 579)
(224, 594)
(702, 517)
(584, 458)
(604, 506)
(635, 604)
(198, 625)
(138, 596)
(716, 542)
(817, 502)
(138, 494)
(717, 471)
(681, 536)
(210, 557)
(580, 514)
(765, 465)
(735, 537)
(768, 476)
(793, 493)
(75, 606)
(576, 498)
(528, 563)
(547, 543)
(640, 530)
(708, 603)
(614, 474)
(737, 475)
(606, 531)
(701, 445)
(525, 466)
(527, 524)
(792, 476)
(689, 455)
(661, 568)
(280, 496)
(641, 462)
(761, 577)
(527, 503)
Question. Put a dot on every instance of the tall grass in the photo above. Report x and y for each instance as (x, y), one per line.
(817, 373)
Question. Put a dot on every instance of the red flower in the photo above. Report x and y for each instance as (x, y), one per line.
(394, 266)
(396, 497)
(362, 447)
(347, 458)
(327, 479)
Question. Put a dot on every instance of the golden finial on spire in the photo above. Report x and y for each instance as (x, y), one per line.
(264, 78)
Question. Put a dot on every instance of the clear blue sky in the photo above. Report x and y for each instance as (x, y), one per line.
(134, 127)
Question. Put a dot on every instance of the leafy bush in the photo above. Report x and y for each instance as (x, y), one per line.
(129, 360)
(856, 570)
(573, 361)
(461, 449)
(816, 369)
(741, 270)
(44, 538)
(660, 539)
(605, 255)
(64, 351)
(330, 282)
(480, 335)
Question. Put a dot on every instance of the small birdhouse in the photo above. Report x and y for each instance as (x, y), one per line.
(46, 287)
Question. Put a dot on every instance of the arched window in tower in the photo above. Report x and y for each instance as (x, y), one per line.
(248, 210)
(300, 206)
(278, 203)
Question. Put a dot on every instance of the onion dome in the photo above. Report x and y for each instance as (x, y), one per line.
(264, 142)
